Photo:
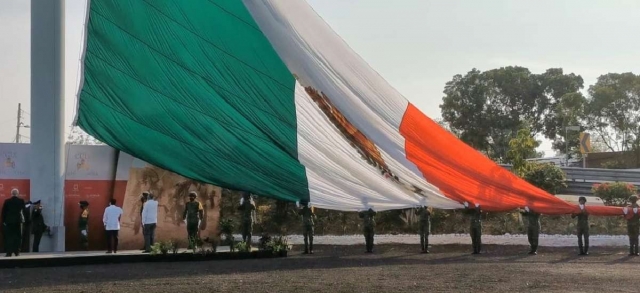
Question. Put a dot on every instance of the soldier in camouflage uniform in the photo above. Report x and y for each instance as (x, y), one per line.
(583, 226)
(633, 224)
(476, 226)
(425, 227)
(248, 208)
(83, 225)
(533, 229)
(193, 213)
(369, 226)
(308, 218)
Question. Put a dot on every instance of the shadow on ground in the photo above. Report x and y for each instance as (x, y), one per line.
(325, 258)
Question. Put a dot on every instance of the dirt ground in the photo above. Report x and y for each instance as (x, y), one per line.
(392, 268)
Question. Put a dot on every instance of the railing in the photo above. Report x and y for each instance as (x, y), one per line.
(580, 180)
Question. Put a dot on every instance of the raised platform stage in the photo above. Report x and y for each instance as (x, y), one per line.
(45, 259)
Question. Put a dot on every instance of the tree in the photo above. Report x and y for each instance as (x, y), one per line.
(487, 109)
(446, 126)
(79, 137)
(565, 107)
(463, 107)
(569, 110)
(547, 177)
(521, 148)
(613, 111)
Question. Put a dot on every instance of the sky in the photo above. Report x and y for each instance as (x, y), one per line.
(416, 45)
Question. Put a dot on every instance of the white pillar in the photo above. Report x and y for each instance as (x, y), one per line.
(47, 116)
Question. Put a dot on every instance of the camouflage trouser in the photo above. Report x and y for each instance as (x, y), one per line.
(307, 232)
(533, 233)
(476, 237)
(84, 241)
(192, 233)
(247, 230)
(424, 231)
(633, 232)
(583, 232)
(368, 238)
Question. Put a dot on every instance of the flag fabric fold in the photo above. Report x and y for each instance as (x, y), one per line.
(263, 96)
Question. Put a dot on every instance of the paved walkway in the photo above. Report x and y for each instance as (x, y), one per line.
(53, 255)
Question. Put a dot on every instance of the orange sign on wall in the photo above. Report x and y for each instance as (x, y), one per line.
(89, 176)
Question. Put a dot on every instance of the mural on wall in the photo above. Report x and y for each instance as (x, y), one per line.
(171, 190)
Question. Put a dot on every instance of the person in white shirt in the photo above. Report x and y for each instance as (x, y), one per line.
(149, 220)
(111, 220)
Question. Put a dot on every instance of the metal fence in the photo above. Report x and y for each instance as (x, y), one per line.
(580, 180)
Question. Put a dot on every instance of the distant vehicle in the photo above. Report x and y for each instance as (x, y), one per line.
(591, 200)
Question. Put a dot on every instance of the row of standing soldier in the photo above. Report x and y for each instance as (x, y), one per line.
(631, 214)
(13, 219)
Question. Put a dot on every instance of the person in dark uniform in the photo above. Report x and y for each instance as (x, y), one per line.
(533, 229)
(193, 213)
(12, 219)
(308, 218)
(475, 216)
(425, 227)
(83, 225)
(369, 227)
(248, 208)
(38, 227)
(583, 226)
(633, 224)
(26, 227)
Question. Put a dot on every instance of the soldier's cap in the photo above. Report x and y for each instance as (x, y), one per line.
(84, 203)
(633, 198)
(193, 194)
(36, 202)
(582, 198)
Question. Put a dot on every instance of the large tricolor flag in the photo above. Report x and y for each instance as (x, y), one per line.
(263, 96)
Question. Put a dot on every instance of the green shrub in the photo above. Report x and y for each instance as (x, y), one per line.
(277, 244)
(226, 229)
(163, 247)
(614, 194)
(264, 241)
(242, 247)
(547, 177)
